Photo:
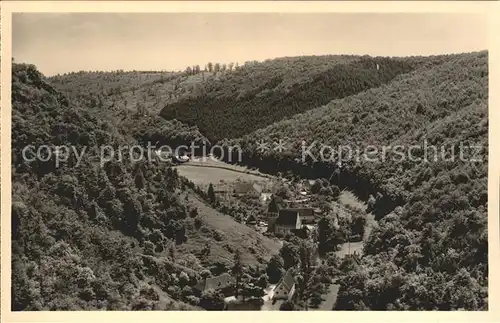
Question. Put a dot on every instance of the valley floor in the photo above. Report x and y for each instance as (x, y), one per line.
(204, 171)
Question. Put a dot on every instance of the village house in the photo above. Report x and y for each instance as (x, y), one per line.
(287, 221)
(246, 188)
(307, 215)
(285, 289)
(222, 189)
(216, 283)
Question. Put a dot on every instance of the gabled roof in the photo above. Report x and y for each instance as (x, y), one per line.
(287, 281)
(221, 188)
(218, 282)
(287, 217)
(246, 187)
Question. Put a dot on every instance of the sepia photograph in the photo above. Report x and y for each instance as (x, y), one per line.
(248, 161)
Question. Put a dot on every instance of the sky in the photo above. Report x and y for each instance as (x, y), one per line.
(65, 42)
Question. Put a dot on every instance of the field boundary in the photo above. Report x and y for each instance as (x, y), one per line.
(227, 168)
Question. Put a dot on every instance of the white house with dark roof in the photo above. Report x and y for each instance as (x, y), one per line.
(287, 221)
(306, 214)
(285, 289)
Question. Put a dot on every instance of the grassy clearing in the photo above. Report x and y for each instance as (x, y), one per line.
(214, 162)
(348, 202)
(223, 234)
(348, 199)
(202, 176)
(204, 172)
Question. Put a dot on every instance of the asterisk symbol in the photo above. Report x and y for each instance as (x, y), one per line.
(262, 146)
(279, 146)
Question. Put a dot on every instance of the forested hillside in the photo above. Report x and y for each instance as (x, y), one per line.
(254, 97)
(228, 102)
(126, 102)
(138, 236)
(140, 91)
(430, 251)
(115, 237)
(231, 102)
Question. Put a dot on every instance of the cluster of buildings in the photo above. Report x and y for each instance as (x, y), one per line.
(282, 222)
(284, 290)
(286, 220)
(289, 220)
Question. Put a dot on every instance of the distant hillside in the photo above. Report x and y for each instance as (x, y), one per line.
(416, 106)
(116, 237)
(258, 95)
(429, 250)
(118, 90)
(116, 99)
(437, 239)
(232, 103)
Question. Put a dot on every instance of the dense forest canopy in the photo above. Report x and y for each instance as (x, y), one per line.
(433, 214)
(231, 102)
(115, 236)
(128, 235)
(254, 97)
